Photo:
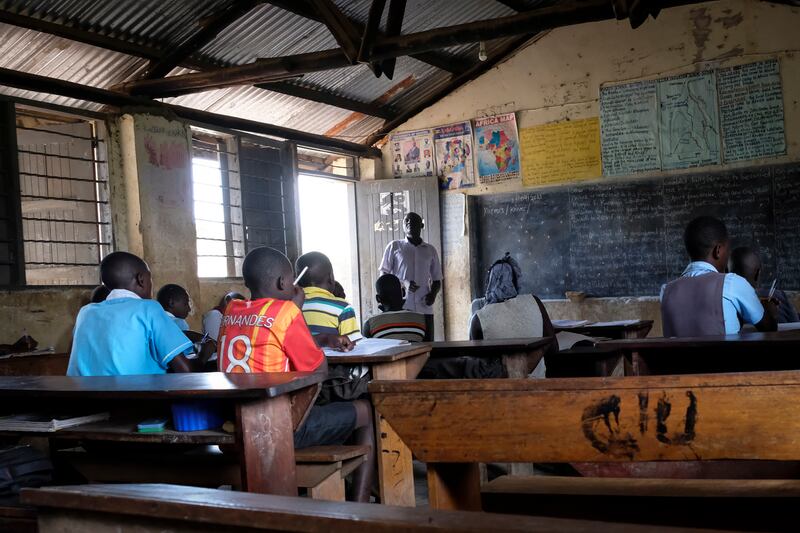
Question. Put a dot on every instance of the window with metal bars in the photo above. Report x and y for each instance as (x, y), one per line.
(62, 196)
(217, 205)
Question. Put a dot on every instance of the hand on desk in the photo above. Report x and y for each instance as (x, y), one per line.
(341, 343)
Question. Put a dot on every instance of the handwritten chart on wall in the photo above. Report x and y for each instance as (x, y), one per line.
(561, 151)
(688, 121)
(629, 128)
(626, 238)
(693, 120)
(751, 111)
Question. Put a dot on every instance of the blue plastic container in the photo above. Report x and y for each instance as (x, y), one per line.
(197, 416)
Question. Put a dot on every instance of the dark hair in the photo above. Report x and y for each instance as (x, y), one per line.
(702, 234)
(745, 262)
(119, 269)
(319, 268)
(263, 264)
(388, 284)
(170, 292)
(99, 294)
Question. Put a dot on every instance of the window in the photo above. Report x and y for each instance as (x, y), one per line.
(60, 188)
(217, 206)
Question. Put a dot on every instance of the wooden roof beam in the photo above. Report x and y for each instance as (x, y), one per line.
(394, 24)
(340, 26)
(212, 27)
(439, 60)
(307, 93)
(33, 82)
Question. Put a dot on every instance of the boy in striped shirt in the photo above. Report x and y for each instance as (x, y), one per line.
(394, 322)
(331, 319)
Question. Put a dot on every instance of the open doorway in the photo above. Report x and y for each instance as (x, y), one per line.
(328, 225)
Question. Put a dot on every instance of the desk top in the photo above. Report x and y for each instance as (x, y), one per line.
(774, 339)
(167, 386)
(384, 356)
(600, 327)
(487, 348)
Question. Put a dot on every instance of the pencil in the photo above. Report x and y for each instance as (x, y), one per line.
(300, 276)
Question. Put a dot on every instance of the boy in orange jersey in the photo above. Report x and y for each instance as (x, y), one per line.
(268, 334)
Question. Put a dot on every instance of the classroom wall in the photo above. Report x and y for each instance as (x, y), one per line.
(558, 77)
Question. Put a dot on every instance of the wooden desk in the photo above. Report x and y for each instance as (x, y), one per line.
(395, 469)
(158, 508)
(454, 424)
(724, 353)
(44, 364)
(268, 407)
(635, 330)
(520, 356)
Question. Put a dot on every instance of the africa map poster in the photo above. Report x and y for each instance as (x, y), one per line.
(497, 148)
(454, 164)
(412, 154)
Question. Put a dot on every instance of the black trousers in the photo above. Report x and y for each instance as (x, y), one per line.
(428, 328)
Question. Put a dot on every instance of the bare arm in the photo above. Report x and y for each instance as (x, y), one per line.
(769, 322)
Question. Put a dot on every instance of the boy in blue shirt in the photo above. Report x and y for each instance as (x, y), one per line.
(175, 301)
(128, 333)
(706, 300)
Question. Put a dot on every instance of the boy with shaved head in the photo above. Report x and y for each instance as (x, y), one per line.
(268, 334)
(331, 319)
(128, 333)
(746, 263)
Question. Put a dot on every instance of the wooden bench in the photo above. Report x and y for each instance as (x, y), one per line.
(321, 469)
(453, 425)
(17, 519)
(752, 504)
(622, 330)
(39, 364)
(156, 508)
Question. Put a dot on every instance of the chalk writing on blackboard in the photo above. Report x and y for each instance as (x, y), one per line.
(629, 128)
(689, 124)
(751, 111)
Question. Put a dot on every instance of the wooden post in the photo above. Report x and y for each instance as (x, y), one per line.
(454, 486)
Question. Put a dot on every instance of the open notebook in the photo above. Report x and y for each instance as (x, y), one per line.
(369, 347)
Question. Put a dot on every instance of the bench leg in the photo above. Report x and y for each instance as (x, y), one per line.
(265, 438)
(331, 488)
(454, 486)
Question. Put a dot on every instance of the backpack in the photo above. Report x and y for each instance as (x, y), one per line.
(344, 383)
(23, 466)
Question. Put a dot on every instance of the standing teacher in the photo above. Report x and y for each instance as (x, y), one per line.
(416, 264)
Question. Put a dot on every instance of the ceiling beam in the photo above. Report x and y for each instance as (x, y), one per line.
(307, 93)
(33, 82)
(441, 61)
(212, 27)
(260, 71)
(146, 52)
(394, 24)
(340, 26)
(522, 24)
(455, 82)
(371, 29)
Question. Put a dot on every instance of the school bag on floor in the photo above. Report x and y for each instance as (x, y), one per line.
(21, 467)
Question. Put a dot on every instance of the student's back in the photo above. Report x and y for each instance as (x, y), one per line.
(394, 322)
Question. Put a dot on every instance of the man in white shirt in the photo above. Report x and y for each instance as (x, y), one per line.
(416, 264)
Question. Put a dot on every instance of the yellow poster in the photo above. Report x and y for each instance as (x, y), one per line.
(562, 151)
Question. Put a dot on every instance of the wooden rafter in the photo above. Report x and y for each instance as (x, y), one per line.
(210, 29)
(371, 29)
(341, 28)
(394, 24)
(437, 59)
(154, 54)
(44, 84)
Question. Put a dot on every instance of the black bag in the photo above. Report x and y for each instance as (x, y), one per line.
(345, 383)
(23, 466)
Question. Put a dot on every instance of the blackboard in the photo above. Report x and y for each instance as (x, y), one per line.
(625, 237)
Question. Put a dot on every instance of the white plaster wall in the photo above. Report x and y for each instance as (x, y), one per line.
(559, 75)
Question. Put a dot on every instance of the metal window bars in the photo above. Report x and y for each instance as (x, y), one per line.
(64, 196)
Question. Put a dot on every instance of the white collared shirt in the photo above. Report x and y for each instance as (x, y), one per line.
(122, 293)
(419, 264)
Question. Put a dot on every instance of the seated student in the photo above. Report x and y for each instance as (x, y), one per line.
(746, 263)
(213, 319)
(338, 290)
(99, 294)
(331, 320)
(128, 333)
(175, 301)
(394, 322)
(705, 300)
(507, 314)
(268, 334)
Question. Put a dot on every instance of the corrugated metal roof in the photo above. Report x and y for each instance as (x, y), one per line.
(266, 31)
